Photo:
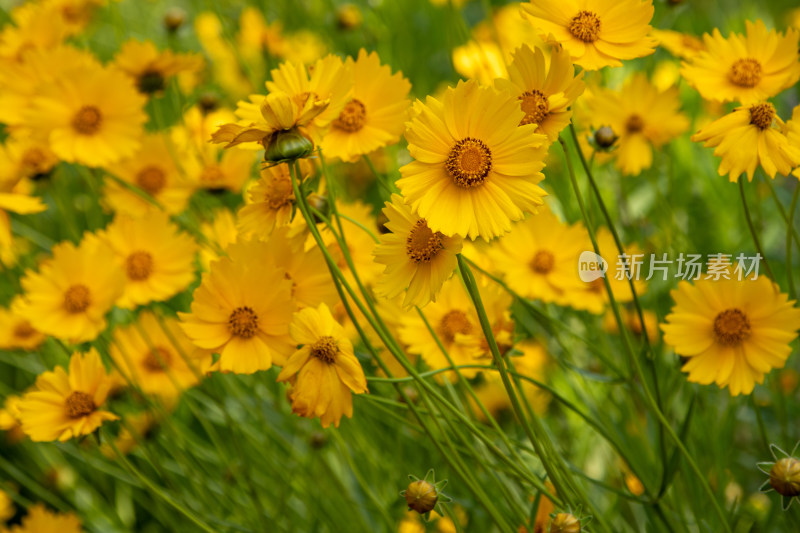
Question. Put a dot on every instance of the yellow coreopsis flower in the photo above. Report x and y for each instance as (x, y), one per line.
(228, 172)
(157, 259)
(376, 114)
(748, 137)
(544, 91)
(732, 331)
(71, 293)
(241, 310)
(157, 356)
(17, 333)
(93, 116)
(745, 68)
(219, 231)
(153, 170)
(151, 69)
(9, 418)
(596, 33)
(66, 405)
(480, 60)
(418, 261)
(15, 202)
(6, 507)
(679, 44)
(36, 26)
(539, 257)
(40, 520)
(642, 117)
(324, 371)
(476, 169)
(23, 158)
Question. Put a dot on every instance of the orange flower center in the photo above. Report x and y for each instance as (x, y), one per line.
(453, 323)
(634, 124)
(139, 266)
(325, 349)
(352, 117)
(422, 244)
(535, 106)
(212, 175)
(280, 194)
(745, 72)
(762, 115)
(157, 359)
(784, 477)
(243, 322)
(80, 404)
(24, 330)
(34, 161)
(585, 26)
(543, 262)
(469, 163)
(731, 327)
(77, 299)
(151, 179)
(87, 120)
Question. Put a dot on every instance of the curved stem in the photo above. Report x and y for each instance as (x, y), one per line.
(753, 232)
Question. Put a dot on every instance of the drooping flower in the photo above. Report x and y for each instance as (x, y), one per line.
(375, 115)
(732, 331)
(241, 310)
(642, 117)
(71, 293)
(545, 91)
(66, 405)
(475, 170)
(151, 69)
(747, 138)
(745, 68)
(324, 371)
(157, 356)
(418, 260)
(596, 33)
(157, 259)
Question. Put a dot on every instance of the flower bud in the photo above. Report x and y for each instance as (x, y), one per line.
(174, 19)
(421, 496)
(784, 477)
(288, 145)
(565, 523)
(348, 17)
(605, 137)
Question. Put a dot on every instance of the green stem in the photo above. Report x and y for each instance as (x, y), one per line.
(753, 233)
(789, 232)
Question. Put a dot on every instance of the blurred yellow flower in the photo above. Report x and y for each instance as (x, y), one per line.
(219, 231)
(732, 331)
(40, 520)
(679, 44)
(71, 293)
(269, 201)
(480, 60)
(744, 68)
(596, 33)
(66, 405)
(17, 333)
(151, 69)
(475, 170)
(324, 371)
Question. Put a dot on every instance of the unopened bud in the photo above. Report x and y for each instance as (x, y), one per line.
(565, 523)
(784, 477)
(605, 137)
(174, 19)
(348, 17)
(421, 496)
(288, 145)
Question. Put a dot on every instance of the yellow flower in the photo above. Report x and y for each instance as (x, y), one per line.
(17, 333)
(230, 171)
(136, 428)
(376, 114)
(151, 169)
(9, 419)
(160, 359)
(480, 60)
(642, 117)
(360, 227)
(36, 26)
(454, 320)
(732, 331)
(40, 520)
(72, 292)
(544, 91)
(76, 14)
(475, 170)
(539, 257)
(270, 201)
(596, 33)
(224, 58)
(24, 157)
(150, 69)
(418, 260)
(241, 310)
(324, 370)
(6, 507)
(744, 68)
(66, 405)
(219, 231)
(12, 200)
(92, 116)
(679, 44)
(157, 259)
(746, 138)
(792, 131)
